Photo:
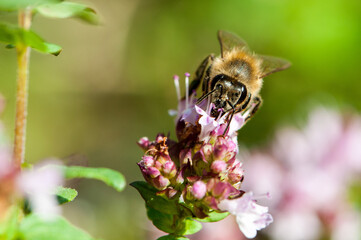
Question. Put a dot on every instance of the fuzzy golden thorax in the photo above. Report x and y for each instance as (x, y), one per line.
(240, 65)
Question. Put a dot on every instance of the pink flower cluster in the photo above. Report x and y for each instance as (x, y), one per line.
(200, 169)
(309, 171)
(204, 174)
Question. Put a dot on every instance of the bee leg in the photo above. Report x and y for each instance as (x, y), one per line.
(257, 103)
(201, 73)
(230, 118)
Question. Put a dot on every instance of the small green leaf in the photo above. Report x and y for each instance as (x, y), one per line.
(69, 10)
(188, 227)
(214, 217)
(159, 203)
(12, 5)
(65, 195)
(10, 46)
(11, 34)
(108, 176)
(35, 228)
(162, 221)
(9, 225)
(171, 237)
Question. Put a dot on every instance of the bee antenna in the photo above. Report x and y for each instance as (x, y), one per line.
(205, 96)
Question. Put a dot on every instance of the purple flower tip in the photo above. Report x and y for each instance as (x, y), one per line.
(187, 74)
(176, 77)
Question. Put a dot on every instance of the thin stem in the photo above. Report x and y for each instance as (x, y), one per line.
(23, 55)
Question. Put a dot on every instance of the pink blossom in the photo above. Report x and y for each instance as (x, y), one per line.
(199, 189)
(207, 123)
(250, 216)
(39, 185)
(218, 166)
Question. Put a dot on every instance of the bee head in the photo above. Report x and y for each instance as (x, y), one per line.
(227, 92)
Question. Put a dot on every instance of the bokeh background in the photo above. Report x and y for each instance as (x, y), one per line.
(112, 84)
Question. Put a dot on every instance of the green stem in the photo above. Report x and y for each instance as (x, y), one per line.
(23, 55)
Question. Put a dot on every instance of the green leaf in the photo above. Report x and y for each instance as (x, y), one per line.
(159, 203)
(108, 176)
(9, 225)
(188, 227)
(162, 221)
(11, 34)
(35, 228)
(65, 195)
(171, 237)
(12, 5)
(69, 10)
(214, 217)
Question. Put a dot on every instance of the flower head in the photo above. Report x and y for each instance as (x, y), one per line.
(200, 169)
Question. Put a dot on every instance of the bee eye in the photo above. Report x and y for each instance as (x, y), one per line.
(243, 94)
(216, 79)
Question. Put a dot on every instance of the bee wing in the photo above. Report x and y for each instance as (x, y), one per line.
(228, 41)
(273, 64)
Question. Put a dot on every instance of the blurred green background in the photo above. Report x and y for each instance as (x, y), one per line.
(112, 84)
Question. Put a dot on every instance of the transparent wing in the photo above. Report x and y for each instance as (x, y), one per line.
(229, 40)
(273, 64)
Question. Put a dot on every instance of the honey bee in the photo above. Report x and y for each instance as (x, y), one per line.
(234, 79)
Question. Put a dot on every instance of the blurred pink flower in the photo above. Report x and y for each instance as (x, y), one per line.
(39, 186)
(308, 172)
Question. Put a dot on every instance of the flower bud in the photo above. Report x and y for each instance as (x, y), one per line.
(223, 190)
(163, 158)
(218, 166)
(143, 143)
(147, 161)
(180, 178)
(168, 192)
(169, 169)
(199, 190)
(211, 201)
(159, 138)
(232, 146)
(235, 173)
(152, 172)
(185, 156)
(207, 151)
(160, 182)
(220, 151)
